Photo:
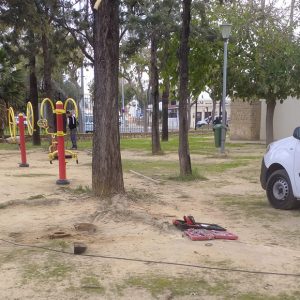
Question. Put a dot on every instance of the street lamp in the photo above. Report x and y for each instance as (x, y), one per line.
(225, 30)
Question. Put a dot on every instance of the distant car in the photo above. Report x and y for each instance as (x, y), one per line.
(89, 123)
(17, 120)
(201, 123)
(208, 119)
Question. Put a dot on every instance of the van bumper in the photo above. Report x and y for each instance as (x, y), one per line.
(263, 175)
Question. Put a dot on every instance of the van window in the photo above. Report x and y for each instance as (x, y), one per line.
(89, 119)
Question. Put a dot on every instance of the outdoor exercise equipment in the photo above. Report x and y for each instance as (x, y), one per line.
(12, 129)
(57, 147)
(73, 102)
(29, 118)
(12, 124)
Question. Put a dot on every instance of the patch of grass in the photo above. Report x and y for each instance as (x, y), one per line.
(58, 244)
(200, 144)
(82, 190)
(136, 195)
(257, 296)
(15, 255)
(92, 285)
(222, 166)
(29, 146)
(252, 205)
(50, 270)
(225, 263)
(40, 196)
(195, 176)
(249, 157)
(178, 287)
(154, 169)
(168, 170)
(184, 286)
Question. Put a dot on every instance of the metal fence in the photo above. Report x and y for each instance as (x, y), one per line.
(128, 122)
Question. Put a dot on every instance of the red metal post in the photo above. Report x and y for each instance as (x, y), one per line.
(22, 141)
(61, 144)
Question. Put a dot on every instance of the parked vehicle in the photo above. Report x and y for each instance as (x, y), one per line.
(89, 123)
(201, 123)
(17, 120)
(280, 172)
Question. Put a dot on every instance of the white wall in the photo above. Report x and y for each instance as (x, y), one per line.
(286, 118)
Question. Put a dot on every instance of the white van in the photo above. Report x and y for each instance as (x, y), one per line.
(280, 172)
(89, 123)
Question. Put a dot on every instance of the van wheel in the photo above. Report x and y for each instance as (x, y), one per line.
(279, 191)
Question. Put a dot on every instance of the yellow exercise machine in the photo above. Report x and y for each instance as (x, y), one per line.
(43, 123)
(22, 120)
(12, 124)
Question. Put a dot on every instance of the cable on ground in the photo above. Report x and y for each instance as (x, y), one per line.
(153, 261)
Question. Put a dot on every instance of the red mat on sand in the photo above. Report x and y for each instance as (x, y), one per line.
(204, 235)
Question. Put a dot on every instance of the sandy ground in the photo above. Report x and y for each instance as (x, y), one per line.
(135, 230)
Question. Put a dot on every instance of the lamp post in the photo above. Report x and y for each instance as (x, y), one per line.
(225, 30)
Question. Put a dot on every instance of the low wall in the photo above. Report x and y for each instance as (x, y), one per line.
(245, 120)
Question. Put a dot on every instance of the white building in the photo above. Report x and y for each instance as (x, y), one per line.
(286, 118)
(203, 108)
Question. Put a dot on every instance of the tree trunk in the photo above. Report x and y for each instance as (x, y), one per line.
(107, 175)
(33, 97)
(156, 149)
(48, 80)
(183, 151)
(189, 108)
(213, 112)
(292, 13)
(269, 121)
(214, 105)
(165, 105)
(3, 113)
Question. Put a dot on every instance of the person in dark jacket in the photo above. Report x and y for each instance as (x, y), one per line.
(217, 121)
(72, 123)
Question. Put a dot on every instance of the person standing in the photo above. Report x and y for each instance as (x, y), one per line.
(72, 123)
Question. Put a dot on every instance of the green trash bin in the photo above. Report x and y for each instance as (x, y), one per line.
(218, 134)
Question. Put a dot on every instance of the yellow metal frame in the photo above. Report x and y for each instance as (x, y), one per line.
(29, 118)
(74, 104)
(12, 123)
(42, 106)
(68, 154)
(43, 123)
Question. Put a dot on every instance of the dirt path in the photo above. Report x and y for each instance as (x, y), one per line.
(138, 226)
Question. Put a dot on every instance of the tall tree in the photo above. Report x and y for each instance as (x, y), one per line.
(32, 22)
(22, 43)
(107, 176)
(33, 88)
(11, 80)
(263, 59)
(165, 111)
(156, 148)
(183, 151)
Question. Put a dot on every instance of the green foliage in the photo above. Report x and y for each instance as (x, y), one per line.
(25, 25)
(263, 55)
(11, 80)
